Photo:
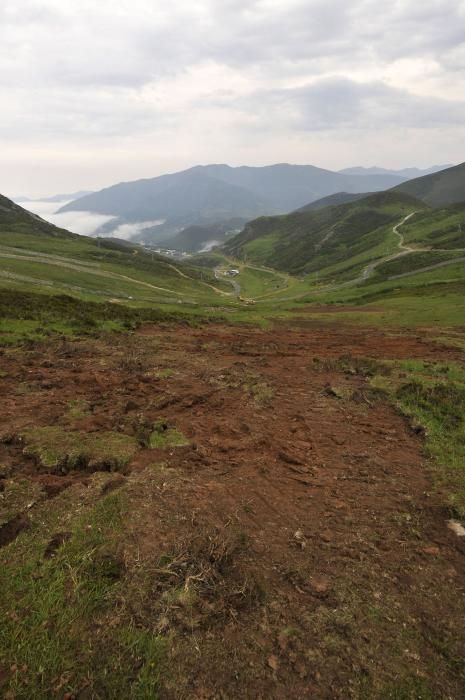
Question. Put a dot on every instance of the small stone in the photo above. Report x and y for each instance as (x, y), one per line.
(299, 538)
(432, 550)
(273, 662)
(320, 584)
(456, 527)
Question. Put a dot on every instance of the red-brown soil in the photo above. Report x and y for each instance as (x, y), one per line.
(302, 524)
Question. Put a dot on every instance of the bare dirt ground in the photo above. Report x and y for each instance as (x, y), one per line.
(299, 538)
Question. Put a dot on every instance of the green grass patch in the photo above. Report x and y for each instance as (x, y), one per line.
(26, 316)
(442, 227)
(165, 373)
(256, 282)
(60, 450)
(415, 261)
(433, 396)
(18, 495)
(164, 436)
(259, 389)
(78, 408)
(58, 629)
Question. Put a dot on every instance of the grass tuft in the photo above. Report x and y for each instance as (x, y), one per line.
(163, 436)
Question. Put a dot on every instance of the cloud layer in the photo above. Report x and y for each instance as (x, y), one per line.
(93, 93)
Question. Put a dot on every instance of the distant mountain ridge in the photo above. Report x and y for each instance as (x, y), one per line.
(67, 197)
(334, 200)
(406, 173)
(56, 197)
(210, 194)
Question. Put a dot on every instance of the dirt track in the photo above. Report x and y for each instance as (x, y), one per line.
(337, 574)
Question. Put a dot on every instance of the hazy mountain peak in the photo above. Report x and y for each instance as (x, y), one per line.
(407, 173)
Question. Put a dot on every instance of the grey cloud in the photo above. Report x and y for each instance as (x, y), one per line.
(410, 27)
(341, 103)
(85, 74)
(89, 43)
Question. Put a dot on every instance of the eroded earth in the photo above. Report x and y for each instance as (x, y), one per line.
(284, 535)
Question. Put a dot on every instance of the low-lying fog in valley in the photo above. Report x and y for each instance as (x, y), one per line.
(85, 223)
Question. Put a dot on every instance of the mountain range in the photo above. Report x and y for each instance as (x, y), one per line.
(338, 237)
(193, 209)
(210, 194)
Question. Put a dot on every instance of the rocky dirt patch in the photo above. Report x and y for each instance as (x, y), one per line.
(287, 546)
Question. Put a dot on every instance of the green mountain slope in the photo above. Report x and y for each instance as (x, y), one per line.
(37, 256)
(14, 218)
(439, 189)
(194, 239)
(334, 200)
(442, 228)
(337, 239)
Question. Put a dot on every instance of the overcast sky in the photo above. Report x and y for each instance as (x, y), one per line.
(93, 92)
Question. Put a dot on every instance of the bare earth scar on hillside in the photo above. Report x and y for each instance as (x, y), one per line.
(278, 531)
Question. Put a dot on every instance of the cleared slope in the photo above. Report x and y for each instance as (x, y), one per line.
(297, 539)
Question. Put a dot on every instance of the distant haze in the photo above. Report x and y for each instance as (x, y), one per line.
(98, 93)
(83, 222)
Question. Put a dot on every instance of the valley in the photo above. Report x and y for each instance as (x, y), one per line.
(232, 350)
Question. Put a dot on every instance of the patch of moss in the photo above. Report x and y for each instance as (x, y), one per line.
(62, 450)
(164, 436)
(165, 373)
(256, 387)
(24, 388)
(78, 408)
